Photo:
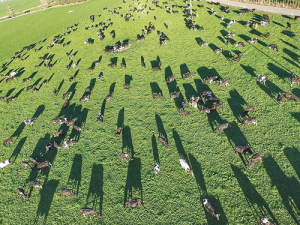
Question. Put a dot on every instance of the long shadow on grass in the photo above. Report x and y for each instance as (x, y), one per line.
(249, 70)
(289, 44)
(81, 116)
(160, 127)
(75, 174)
(168, 72)
(288, 188)
(9, 92)
(256, 203)
(290, 61)
(155, 88)
(293, 155)
(181, 152)
(72, 89)
(127, 141)
(296, 115)
(120, 122)
(189, 91)
(270, 89)
(112, 87)
(17, 150)
(128, 79)
(235, 102)
(133, 188)
(18, 93)
(59, 86)
(155, 150)
(291, 54)
(95, 194)
(205, 72)
(184, 69)
(281, 73)
(46, 197)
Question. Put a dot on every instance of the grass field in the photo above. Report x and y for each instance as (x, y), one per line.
(17, 5)
(93, 168)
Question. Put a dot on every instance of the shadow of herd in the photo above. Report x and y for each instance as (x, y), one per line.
(205, 102)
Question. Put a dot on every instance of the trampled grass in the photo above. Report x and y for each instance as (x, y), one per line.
(92, 167)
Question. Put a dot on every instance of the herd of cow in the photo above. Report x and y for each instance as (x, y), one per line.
(197, 102)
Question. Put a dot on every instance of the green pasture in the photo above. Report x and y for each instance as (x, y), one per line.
(93, 168)
(17, 5)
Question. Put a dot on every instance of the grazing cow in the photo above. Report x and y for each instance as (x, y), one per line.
(219, 50)
(274, 47)
(125, 156)
(66, 103)
(49, 146)
(5, 163)
(262, 79)
(250, 120)
(237, 58)
(255, 158)
(295, 80)
(89, 212)
(67, 192)
(56, 145)
(221, 127)
(112, 64)
(183, 103)
(188, 75)
(26, 165)
(289, 96)
(266, 221)
(247, 110)
(100, 117)
(154, 69)
(217, 106)
(203, 43)
(211, 79)
(21, 192)
(186, 166)
(90, 69)
(71, 79)
(204, 109)
(84, 98)
(223, 83)
(208, 205)
(66, 95)
(77, 128)
(143, 65)
(8, 141)
(57, 134)
(133, 203)
(29, 122)
(175, 95)
(2, 98)
(193, 103)
(230, 35)
(109, 97)
(126, 86)
(69, 143)
(250, 24)
(100, 77)
(266, 35)
(10, 99)
(183, 112)
(206, 93)
(35, 184)
(253, 40)
(54, 91)
(156, 168)
(170, 79)
(241, 44)
(155, 96)
(163, 141)
(118, 132)
(242, 149)
(33, 160)
(211, 99)
(44, 165)
(289, 25)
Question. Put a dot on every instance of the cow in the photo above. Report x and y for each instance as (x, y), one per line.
(125, 157)
(157, 68)
(89, 212)
(188, 75)
(84, 98)
(204, 109)
(255, 158)
(295, 80)
(175, 95)
(203, 43)
(21, 192)
(109, 97)
(242, 149)
(170, 79)
(66, 95)
(247, 110)
(43, 165)
(230, 35)
(75, 127)
(266, 221)
(118, 132)
(250, 120)
(67, 192)
(223, 83)
(100, 117)
(274, 47)
(163, 141)
(57, 134)
(221, 127)
(186, 166)
(208, 205)
(69, 143)
(133, 203)
(217, 106)
(8, 141)
(66, 103)
(5, 163)
(253, 40)
(156, 168)
(26, 165)
(290, 96)
(262, 79)
(211, 79)
(241, 44)
(289, 25)
(35, 184)
(157, 95)
(183, 112)
(219, 50)
(29, 121)
(266, 35)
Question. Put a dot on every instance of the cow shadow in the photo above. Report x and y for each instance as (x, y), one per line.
(288, 33)
(143, 61)
(279, 24)
(198, 173)
(103, 108)
(290, 61)
(250, 70)
(289, 44)
(133, 188)
(213, 47)
(9, 92)
(46, 198)
(293, 155)
(17, 150)
(168, 72)
(160, 127)
(255, 32)
(296, 91)
(189, 91)
(198, 40)
(124, 62)
(273, 93)
(290, 198)
(221, 39)
(81, 116)
(18, 93)
(155, 88)
(128, 79)
(244, 37)
(205, 72)
(114, 60)
(72, 89)
(75, 174)
(59, 86)
(76, 73)
(181, 152)
(291, 54)
(95, 195)
(296, 115)
(112, 87)
(235, 102)
(155, 149)
(127, 141)
(257, 204)
(184, 69)
(120, 122)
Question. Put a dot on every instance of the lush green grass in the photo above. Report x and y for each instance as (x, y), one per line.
(93, 167)
(17, 5)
